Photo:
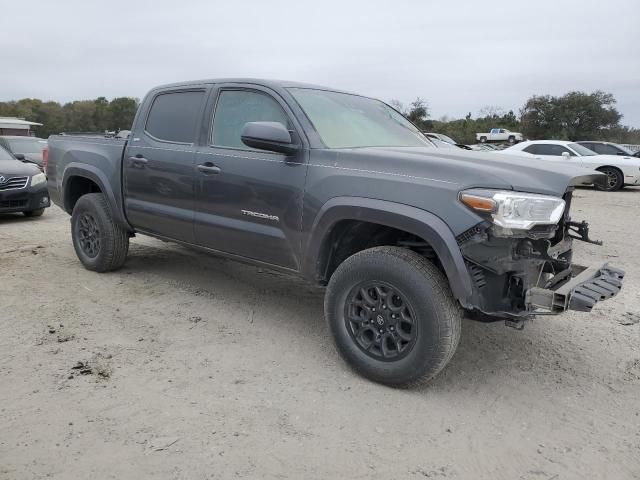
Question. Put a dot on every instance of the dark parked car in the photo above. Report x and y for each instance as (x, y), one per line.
(342, 190)
(25, 148)
(23, 187)
(607, 148)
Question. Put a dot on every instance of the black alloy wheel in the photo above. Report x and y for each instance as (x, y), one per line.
(380, 320)
(99, 241)
(88, 234)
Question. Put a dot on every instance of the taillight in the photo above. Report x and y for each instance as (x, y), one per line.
(45, 158)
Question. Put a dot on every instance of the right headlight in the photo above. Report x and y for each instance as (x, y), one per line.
(514, 210)
(38, 179)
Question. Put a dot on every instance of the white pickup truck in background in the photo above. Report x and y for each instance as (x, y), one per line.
(499, 135)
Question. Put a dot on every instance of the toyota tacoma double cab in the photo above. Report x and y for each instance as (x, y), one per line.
(344, 191)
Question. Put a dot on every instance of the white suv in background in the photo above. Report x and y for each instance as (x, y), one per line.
(620, 170)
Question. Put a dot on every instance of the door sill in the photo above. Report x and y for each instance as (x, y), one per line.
(220, 253)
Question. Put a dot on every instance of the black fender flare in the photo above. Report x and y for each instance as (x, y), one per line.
(396, 215)
(99, 178)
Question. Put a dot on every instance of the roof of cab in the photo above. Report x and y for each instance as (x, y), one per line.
(275, 84)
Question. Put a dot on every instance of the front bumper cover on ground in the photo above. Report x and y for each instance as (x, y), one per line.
(579, 289)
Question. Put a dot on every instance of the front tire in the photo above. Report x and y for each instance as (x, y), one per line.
(614, 181)
(34, 213)
(512, 140)
(393, 316)
(100, 244)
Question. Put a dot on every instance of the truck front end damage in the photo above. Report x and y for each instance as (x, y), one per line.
(520, 257)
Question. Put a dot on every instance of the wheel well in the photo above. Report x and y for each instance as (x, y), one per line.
(611, 167)
(77, 187)
(348, 237)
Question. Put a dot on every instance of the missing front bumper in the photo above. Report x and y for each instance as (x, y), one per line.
(584, 288)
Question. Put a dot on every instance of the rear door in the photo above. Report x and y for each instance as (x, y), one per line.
(248, 201)
(158, 164)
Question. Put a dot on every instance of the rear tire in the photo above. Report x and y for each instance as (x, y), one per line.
(614, 181)
(34, 213)
(362, 296)
(100, 244)
(483, 139)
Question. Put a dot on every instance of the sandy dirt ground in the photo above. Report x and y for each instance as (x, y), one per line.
(184, 366)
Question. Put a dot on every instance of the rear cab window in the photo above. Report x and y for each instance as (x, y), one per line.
(173, 116)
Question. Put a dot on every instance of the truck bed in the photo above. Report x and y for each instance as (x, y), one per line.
(101, 157)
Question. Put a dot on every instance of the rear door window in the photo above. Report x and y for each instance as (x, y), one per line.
(174, 116)
(544, 149)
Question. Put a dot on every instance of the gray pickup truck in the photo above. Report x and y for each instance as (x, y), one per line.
(344, 191)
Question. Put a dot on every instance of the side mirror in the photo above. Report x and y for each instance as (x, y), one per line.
(566, 155)
(19, 156)
(271, 136)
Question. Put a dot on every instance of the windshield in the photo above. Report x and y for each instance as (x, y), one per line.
(350, 121)
(4, 155)
(581, 150)
(26, 145)
(624, 149)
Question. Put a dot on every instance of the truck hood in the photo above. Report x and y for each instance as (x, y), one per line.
(470, 169)
(16, 167)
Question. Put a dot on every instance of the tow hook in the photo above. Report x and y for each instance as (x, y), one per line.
(581, 231)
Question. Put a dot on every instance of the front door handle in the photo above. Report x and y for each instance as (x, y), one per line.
(138, 160)
(208, 168)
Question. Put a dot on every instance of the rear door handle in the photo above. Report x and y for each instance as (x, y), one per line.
(208, 168)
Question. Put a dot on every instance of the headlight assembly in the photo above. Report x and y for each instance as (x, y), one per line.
(514, 210)
(38, 179)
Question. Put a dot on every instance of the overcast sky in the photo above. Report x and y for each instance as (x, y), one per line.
(458, 55)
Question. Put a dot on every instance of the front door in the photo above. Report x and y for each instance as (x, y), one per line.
(248, 201)
(158, 165)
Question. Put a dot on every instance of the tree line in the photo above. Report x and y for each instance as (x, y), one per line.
(573, 116)
(97, 115)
